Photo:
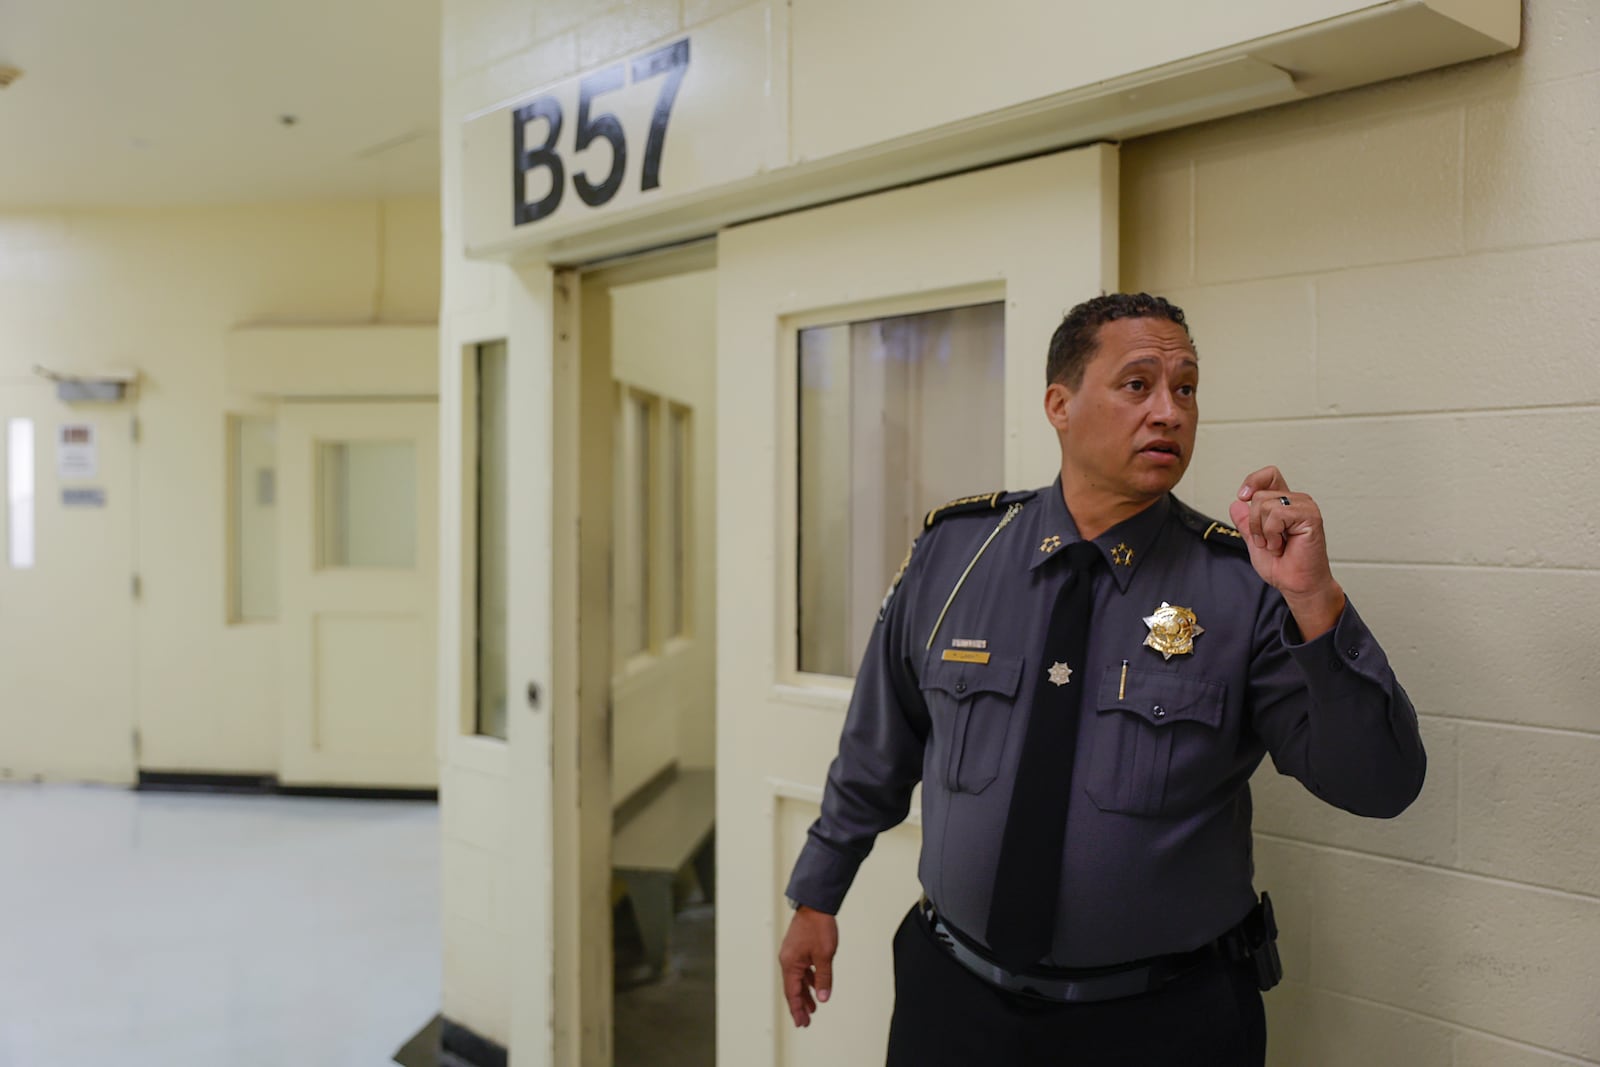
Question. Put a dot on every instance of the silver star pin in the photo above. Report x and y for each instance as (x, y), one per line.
(1060, 673)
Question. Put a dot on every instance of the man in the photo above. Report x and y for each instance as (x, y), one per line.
(1084, 678)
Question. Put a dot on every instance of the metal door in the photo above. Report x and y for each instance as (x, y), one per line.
(1025, 242)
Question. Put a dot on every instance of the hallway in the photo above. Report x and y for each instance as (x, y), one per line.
(160, 928)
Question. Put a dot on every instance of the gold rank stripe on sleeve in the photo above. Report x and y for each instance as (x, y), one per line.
(894, 583)
(900, 572)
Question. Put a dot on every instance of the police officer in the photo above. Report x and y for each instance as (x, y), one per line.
(1084, 677)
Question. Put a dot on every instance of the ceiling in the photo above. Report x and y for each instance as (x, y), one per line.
(145, 102)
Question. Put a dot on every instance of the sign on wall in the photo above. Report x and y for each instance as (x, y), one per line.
(77, 457)
(536, 160)
(83, 498)
(687, 113)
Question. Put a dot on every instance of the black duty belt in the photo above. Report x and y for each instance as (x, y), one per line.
(1254, 939)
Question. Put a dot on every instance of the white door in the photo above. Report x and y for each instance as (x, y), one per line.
(66, 587)
(875, 358)
(358, 574)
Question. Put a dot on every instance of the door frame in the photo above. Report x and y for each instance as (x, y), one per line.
(583, 402)
(562, 953)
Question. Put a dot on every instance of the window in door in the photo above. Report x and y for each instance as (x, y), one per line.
(896, 415)
(253, 519)
(634, 602)
(368, 504)
(490, 717)
(654, 508)
(676, 534)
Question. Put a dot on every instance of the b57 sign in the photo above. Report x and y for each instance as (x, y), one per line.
(537, 160)
(638, 134)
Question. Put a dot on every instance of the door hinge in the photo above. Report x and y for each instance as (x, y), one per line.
(138, 746)
(133, 428)
(137, 587)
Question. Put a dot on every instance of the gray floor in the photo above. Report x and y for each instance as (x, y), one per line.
(149, 928)
(671, 1021)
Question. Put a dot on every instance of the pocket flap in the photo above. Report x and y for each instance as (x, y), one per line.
(1161, 698)
(1000, 675)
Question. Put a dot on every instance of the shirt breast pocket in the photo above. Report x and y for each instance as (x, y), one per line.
(1158, 742)
(970, 705)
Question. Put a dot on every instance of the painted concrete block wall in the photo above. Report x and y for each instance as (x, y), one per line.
(159, 289)
(1393, 293)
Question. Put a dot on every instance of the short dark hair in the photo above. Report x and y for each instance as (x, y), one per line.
(1076, 339)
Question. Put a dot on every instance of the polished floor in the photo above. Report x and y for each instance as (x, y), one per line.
(191, 929)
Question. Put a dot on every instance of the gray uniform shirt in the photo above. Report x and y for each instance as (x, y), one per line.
(1157, 853)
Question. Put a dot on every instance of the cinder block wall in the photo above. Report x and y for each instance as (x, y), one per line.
(1396, 294)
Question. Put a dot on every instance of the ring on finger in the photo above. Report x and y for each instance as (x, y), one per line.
(1284, 501)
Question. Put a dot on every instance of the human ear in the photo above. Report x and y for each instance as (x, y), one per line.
(1057, 397)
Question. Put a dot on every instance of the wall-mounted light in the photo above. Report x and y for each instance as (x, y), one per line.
(101, 387)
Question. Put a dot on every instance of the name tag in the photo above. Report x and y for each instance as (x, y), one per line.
(961, 655)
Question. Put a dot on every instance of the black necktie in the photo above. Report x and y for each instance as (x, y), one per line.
(1027, 879)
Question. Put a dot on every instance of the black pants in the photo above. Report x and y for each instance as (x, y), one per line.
(945, 1016)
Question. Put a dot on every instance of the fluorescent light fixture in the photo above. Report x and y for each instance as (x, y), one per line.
(19, 491)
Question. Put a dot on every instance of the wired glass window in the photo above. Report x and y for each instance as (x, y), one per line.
(253, 492)
(19, 493)
(897, 415)
(491, 555)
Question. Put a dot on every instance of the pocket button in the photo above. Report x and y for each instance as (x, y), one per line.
(961, 687)
(1159, 711)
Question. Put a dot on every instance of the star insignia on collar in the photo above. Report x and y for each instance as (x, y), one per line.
(1060, 674)
(1122, 555)
(1050, 544)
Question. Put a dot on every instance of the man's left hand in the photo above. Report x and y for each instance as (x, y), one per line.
(1283, 530)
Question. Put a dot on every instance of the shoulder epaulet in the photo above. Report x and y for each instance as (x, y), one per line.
(1209, 529)
(969, 504)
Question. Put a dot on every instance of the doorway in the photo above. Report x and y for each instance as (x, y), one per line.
(635, 433)
(68, 586)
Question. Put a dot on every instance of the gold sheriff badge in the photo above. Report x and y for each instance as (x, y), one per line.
(1172, 630)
